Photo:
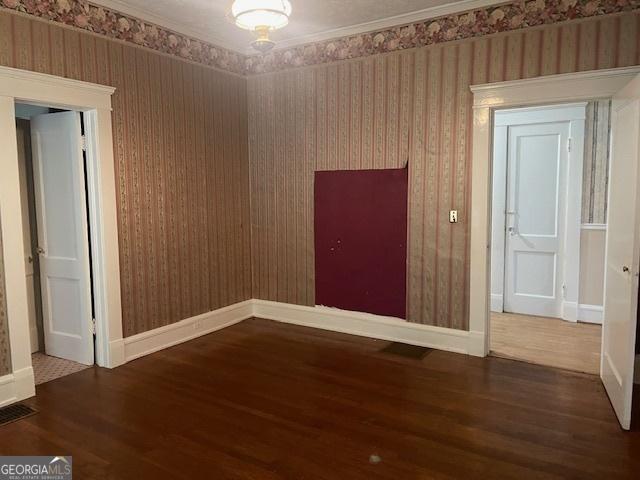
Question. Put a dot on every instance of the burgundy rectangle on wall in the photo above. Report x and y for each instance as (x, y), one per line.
(361, 240)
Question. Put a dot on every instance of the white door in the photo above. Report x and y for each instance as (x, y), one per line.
(22, 135)
(62, 236)
(622, 253)
(536, 187)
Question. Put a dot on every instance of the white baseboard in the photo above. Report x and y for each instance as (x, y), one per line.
(570, 311)
(372, 326)
(17, 386)
(20, 385)
(579, 312)
(184, 330)
(497, 302)
(354, 323)
(116, 354)
(590, 313)
(33, 338)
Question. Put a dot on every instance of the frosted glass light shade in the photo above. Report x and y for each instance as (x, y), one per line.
(253, 14)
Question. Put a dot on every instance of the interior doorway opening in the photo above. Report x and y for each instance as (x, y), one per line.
(94, 101)
(622, 249)
(52, 166)
(548, 229)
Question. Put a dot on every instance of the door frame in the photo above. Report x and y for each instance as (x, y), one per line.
(575, 115)
(487, 98)
(94, 101)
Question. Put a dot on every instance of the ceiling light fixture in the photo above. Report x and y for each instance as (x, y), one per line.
(261, 17)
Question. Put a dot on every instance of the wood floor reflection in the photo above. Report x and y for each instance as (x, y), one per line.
(263, 400)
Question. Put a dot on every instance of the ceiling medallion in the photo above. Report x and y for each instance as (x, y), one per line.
(261, 17)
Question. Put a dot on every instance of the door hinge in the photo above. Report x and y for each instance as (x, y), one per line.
(83, 143)
(569, 144)
(564, 291)
(93, 326)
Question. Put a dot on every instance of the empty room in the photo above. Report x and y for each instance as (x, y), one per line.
(286, 239)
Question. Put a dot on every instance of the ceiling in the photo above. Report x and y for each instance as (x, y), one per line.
(311, 20)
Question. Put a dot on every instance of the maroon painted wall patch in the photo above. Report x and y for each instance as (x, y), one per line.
(361, 240)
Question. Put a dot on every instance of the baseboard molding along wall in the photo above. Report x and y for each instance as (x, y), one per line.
(343, 321)
(497, 302)
(164, 337)
(571, 311)
(372, 326)
(17, 386)
(578, 312)
(590, 313)
(20, 385)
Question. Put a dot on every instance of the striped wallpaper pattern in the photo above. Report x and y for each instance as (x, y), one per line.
(5, 353)
(595, 176)
(183, 175)
(181, 168)
(380, 112)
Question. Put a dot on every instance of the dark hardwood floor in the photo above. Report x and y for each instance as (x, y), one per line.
(262, 400)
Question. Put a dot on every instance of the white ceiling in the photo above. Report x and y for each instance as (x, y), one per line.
(311, 20)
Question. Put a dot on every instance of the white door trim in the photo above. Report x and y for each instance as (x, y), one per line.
(575, 115)
(487, 98)
(95, 101)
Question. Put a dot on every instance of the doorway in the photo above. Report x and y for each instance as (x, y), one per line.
(542, 214)
(52, 167)
(94, 101)
(622, 244)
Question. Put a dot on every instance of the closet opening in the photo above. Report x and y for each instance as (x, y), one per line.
(52, 165)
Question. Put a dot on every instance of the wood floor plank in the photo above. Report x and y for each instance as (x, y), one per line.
(547, 341)
(263, 400)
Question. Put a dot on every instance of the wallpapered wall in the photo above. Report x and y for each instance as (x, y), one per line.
(379, 112)
(596, 162)
(5, 354)
(180, 142)
(181, 168)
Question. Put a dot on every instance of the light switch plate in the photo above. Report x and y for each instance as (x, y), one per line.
(453, 216)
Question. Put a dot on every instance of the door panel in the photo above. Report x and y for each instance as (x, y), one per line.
(533, 269)
(24, 160)
(62, 236)
(537, 164)
(622, 253)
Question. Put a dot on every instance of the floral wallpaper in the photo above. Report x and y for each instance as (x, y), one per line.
(460, 26)
(86, 16)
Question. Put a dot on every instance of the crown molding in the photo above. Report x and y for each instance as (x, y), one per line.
(430, 26)
(178, 27)
(384, 23)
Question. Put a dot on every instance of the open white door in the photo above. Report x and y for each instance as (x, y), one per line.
(62, 235)
(622, 253)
